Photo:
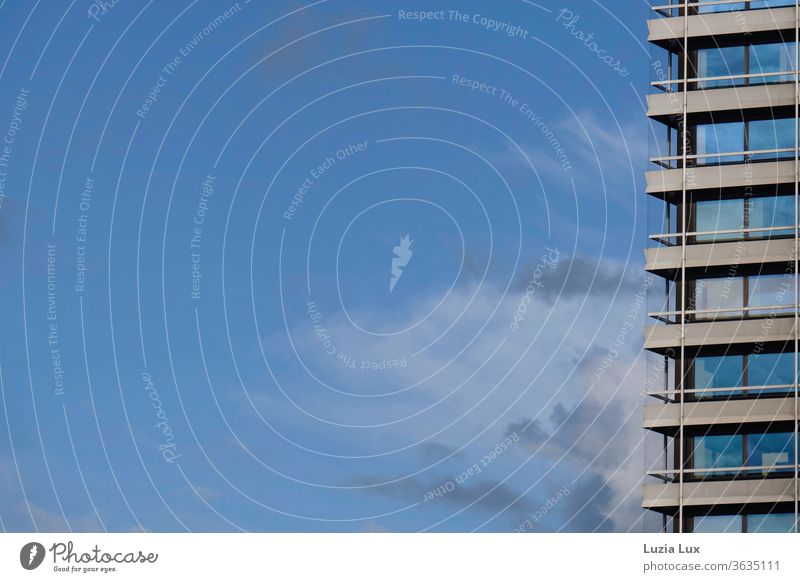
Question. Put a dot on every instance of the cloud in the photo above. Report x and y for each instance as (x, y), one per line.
(432, 452)
(481, 381)
(206, 493)
(19, 516)
(488, 495)
(544, 160)
(579, 276)
(584, 148)
(618, 144)
(599, 441)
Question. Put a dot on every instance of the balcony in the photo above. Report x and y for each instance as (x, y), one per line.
(666, 261)
(668, 25)
(664, 338)
(662, 106)
(660, 182)
(665, 418)
(666, 496)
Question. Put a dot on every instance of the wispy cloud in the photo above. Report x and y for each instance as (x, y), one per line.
(476, 384)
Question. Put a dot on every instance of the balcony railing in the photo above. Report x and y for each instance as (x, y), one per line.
(670, 475)
(676, 8)
(673, 396)
(783, 77)
(735, 313)
(664, 238)
(741, 157)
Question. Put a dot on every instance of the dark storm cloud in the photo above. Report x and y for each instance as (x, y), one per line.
(585, 443)
(433, 452)
(576, 276)
(584, 509)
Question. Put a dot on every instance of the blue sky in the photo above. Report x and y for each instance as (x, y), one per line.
(223, 186)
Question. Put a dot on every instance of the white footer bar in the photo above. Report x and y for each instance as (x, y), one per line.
(400, 557)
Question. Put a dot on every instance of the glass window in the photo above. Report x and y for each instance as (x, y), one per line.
(770, 522)
(771, 134)
(717, 451)
(765, 135)
(768, 212)
(718, 524)
(720, 62)
(732, 215)
(770, 291)
(717, 372)
(770, 449)
(712, 295)
(720, 138)
(756, 523)
(773, 451)
(719, 7)
(771, 58)
(737, 6)
(769, 370)
(715, 215)
(754, 4)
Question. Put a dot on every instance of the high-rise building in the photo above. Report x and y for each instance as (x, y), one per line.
(723, 182)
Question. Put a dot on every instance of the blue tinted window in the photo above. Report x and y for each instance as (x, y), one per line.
(729, 215)
(718, 524)
(770, 523)
(771, 134)
(770, 370)
(737, 6)
(717, 372)
(715, 215)
(771, 291)
(754, 4)
(771, 449)
(720, 62)
(771, 211)
(756, 523)
(722, 138)
(717, 451)
(771, 58)
(734, 7)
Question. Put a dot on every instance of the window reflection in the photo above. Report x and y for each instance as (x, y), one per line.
(773, 451)
(771, 134)
(753, 62)
(770, 450)
(718, 372)
(750, 523)
(715, 215)
(771, 58)
(769, 212)
(718, 524)
(770, 522)
(719, 298)
(764, 135)
(771, 291)
(737, 6)
(724, 298)
(717, 452)
(767, 369)
(720, 62)
(740, 214)
(718, 138)
(708, 373)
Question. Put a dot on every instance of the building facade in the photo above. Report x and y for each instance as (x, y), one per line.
(723, 178)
